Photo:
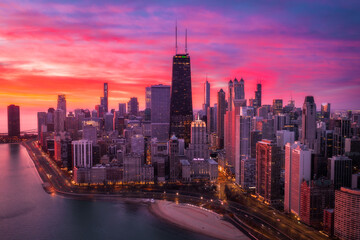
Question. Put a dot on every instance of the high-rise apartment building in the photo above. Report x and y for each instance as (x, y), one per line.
(82, 153)
(268, 168)
(347, 213)
(315, 197)
(297, 170)
(13, 121)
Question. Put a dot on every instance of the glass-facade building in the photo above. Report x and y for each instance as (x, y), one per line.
(181, 111)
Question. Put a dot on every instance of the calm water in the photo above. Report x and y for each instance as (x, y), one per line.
(27, 212)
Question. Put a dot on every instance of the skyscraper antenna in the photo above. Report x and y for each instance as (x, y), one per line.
(186, 41)
(176, 37)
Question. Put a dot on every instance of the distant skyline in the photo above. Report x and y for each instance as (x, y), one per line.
(295, 49)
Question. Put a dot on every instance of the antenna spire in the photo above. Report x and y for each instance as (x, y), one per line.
(176, 46)
(186, 41)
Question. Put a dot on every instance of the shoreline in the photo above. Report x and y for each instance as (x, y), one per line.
(224, 230)
(196, 219)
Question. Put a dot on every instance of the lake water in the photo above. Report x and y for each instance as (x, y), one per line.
(28, 212)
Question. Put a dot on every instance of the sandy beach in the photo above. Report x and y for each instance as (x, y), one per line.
(196, 219)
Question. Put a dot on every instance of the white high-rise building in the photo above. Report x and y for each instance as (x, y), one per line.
(297, 170)
(198, 147)
(82, 153)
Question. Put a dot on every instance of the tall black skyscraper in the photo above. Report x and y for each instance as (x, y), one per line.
(181, 111)
(258, 95)
(13, 121)
(104, 100)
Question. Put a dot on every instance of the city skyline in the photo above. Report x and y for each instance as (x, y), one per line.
(256, 137)
(60, 48)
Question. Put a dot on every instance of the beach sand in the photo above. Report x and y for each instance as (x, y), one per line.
(196, 219)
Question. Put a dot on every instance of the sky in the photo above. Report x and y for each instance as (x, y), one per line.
(295, 48)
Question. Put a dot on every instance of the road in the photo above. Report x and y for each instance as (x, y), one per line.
(266, 219)
(249, 215)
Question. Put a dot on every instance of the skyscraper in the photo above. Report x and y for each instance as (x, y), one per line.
(257, 102)
(59, 120)
(41, 120)
(173, 148)
(148, 97)
(339, 171)
(206, 96)
(181, 110)
(82, 153)
(61, 104)
(268, 167)
(198, 147)
(160, 111)
(308, 128)
(13, 121)
(325, 110)
(347, 213)
(231, 94)
(106, 96)
(277, 106)
(316, 195)
(133, 106)
(242, 143)
(108, 121)
(239, 89)
(221, 108)
(297, 169)
(122, 109)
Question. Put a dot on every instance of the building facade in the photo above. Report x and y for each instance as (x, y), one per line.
(347, 213)
(181, 109)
